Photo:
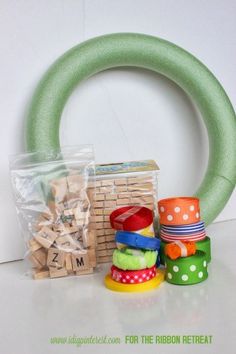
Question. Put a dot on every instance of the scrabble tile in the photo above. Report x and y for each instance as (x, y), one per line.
(41, 256)
(57, 272)
(56, 258)
(40, 274)
(66, 243)
(69, 230)
(34, 261)
(43, 221)
(68, 212)
(34, 245)
(46, 237)
(84, 271)
(60, 227)
(68, 263)
(80, 260)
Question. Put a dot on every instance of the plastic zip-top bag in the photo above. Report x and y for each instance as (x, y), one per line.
(54, 206)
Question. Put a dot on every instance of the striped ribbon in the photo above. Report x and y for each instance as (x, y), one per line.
(184, 229)
(194, 237)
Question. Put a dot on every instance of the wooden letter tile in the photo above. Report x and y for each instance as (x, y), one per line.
(57, 272)
(46, 237)
(40, 274)
(56, 258)
(66, 242)
(68, 263)
(80, 260)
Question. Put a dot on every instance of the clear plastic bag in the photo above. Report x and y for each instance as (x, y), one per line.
(54, 207)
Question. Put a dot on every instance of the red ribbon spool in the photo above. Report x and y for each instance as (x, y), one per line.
(131, 218)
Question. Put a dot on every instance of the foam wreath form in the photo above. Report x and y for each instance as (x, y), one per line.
(139, 50)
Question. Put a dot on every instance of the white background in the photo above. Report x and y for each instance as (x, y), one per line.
(127, 114)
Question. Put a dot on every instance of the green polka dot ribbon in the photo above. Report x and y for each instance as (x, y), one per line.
(187, 270)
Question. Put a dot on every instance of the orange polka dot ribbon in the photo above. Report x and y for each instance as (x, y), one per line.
(132, 276)
(179, 211)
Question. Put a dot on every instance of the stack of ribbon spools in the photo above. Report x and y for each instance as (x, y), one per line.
(185, 248)
(134, 261)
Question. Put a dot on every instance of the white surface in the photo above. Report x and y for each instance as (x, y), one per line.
(136, 114)
(34, 311)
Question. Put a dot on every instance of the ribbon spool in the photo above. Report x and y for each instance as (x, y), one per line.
(179, 211)
(135, 288)
(179, 249)
(184, 229)
(187, 271)
(131, 259)
(131, 218)
(137, 241)
(191, 237)
(132, 277)
(205, 246)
